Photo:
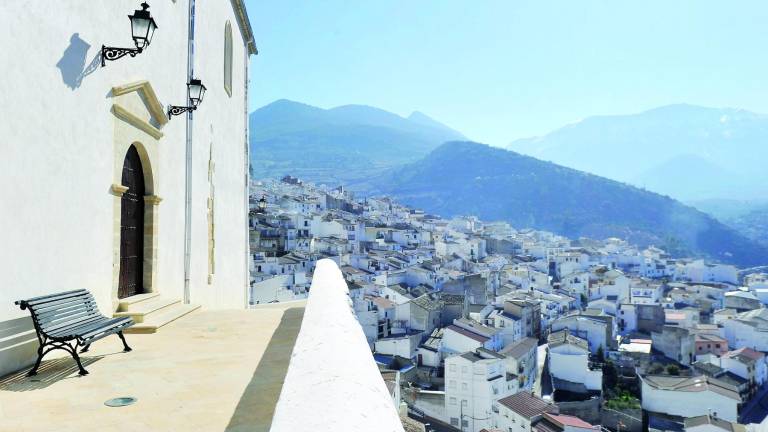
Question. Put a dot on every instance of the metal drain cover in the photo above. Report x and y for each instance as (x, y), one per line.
(120, 402)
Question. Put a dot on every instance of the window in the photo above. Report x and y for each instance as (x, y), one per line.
(463, 369)
(452, 368)
(464, 403)
(228, 58)
(454, 421)
(463, 386)
(453, 401)
(452, 384)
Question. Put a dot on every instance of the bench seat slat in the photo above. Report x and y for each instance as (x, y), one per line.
(85, 328)
(93, 328)
(60, 304)
(37, 300)
(112, 325)
(64, 296)
(76, 329)
(69, 313)
(93, 338)
(63, 303)
(57, 327)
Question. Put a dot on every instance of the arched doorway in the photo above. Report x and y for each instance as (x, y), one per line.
(132, 227)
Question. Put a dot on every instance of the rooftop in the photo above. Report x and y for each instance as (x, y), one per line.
(520, 348)
(467, 333)
(692, 384)
(527, 404)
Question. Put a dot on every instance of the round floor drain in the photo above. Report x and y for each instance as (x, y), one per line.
(120, 402)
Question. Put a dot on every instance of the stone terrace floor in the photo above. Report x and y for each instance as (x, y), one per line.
(208, 371)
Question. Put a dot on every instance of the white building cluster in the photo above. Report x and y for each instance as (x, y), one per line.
(488, 327)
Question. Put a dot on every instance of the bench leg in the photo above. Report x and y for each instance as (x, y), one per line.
(79, 364)
(126, 348)
(40, 354)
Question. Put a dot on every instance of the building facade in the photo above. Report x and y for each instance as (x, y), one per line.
(102, 189)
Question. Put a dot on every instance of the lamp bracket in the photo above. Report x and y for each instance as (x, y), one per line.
(177, 110)
(114, 53)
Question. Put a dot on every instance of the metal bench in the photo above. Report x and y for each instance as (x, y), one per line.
(70, 320)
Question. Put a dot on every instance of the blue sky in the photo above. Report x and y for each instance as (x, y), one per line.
(501, 70)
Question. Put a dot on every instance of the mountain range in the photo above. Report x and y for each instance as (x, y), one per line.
(687, 152)
(338, 145)
(497, 184)
(429, 165)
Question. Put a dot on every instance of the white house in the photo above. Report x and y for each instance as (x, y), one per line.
(598, 331)
(746, 363)
(521, 360)
(519, 411)
(569, 364)
(748, 329)
(474, 381)
(700, 271)
(689, 396)
(95, 175)
(609, 283)
(510, 326)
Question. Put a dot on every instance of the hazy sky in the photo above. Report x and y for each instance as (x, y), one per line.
(500, 70)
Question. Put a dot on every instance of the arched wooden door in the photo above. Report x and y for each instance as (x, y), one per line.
(132, 227)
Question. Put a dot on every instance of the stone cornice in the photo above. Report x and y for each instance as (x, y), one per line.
(245, 26)
(153, 103)
(134, 120)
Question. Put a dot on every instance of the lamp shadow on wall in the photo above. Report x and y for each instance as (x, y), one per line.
(72, 64)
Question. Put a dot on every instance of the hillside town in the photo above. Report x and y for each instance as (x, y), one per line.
(481, 326)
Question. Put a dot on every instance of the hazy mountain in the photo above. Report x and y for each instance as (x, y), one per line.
(495, 184)
(685, 151)
(725, 209)
(753, 225)
(342, 144)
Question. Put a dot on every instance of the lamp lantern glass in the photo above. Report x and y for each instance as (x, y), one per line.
(196, 91)
(143, 27)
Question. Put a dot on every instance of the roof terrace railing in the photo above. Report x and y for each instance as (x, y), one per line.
(333, 383)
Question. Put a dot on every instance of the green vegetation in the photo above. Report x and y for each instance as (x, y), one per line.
(673, 369)
(623, 400)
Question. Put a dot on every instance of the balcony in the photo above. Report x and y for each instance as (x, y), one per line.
(227, 370)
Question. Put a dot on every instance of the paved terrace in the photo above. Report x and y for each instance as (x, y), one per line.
(208, 371)
(273, 367)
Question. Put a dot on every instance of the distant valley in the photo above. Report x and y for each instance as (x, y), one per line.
(377, 152)
(497, 184)
(685, 151)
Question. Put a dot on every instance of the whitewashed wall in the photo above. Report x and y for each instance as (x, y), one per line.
(333, 383)
(59, 160)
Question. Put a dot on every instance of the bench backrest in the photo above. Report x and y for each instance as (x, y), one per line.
(55, 312)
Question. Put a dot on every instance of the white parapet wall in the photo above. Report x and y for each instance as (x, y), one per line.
(333, 383)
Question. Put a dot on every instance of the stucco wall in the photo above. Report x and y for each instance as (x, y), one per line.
(65, 146)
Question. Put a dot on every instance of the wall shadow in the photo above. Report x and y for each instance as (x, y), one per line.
(72, 63)
(257, 404)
